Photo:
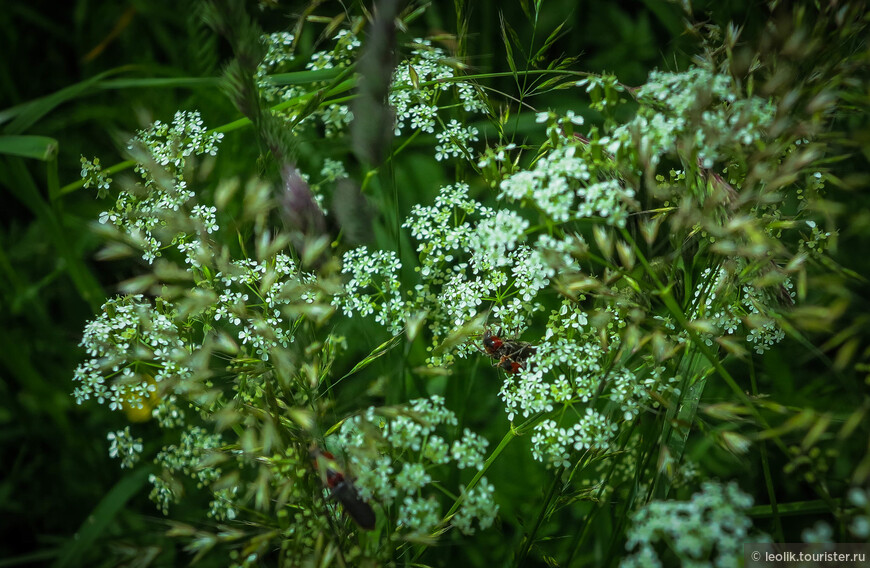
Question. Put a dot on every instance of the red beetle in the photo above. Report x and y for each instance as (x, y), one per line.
(510, 354)
(342, 488)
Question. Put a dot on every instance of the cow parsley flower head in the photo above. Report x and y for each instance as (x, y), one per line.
(171, 144)
(455, 140)
(393, 455)
(727, 304)
(93, 175)
(695, 107)
(820, 532)
(469, 255)
(142, 213)
(374, 287)
(416, 104)
(562, 187)
(188, 459)
(419, 516)
(258, 321)
(860, 525)
(280, 58)
(129, 330)
(125, 446)
(554, 445)
(476, 504)
(709, 530)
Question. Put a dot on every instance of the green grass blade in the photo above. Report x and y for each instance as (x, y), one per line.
(26, 115)
(304, 77)
(36, 147)
(30, 558)
(378, 351)
(160, 83)
(19, 182)
(101, 517)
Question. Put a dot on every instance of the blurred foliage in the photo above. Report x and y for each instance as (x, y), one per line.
(86, 76)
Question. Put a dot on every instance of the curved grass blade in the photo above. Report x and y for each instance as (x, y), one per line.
(378, 351)
(101, 517)
(37, 147)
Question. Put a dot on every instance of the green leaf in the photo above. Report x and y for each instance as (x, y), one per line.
(19, 182)
(551, 39)
(304, 77)
(380, 350)
(159, 83)
(37, 147)
(27, 114)
(509, 53)
(101, 517)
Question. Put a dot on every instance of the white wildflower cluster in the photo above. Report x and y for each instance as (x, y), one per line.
(470, 254)
(569, 374)
(136, 348)
(820, 533)
(125, 446)
(416, 104)
(604, 91)
(279, 53)
(162, 494)
(392, 455)
(374, 287)
(333, 170)
(279, 56)
(707, 531)
(222, 507)
(191, 245)
(342, 55)
(765, 331)
(93, 175)
(454, 140)
(553, 445)
(697, 111)
(251, 296)
(206, 216)
(188, 458)
(726, 304)
(476, 504)
(565, 185)
(132, 348)
(171, 144)
(167, 413)
(142, 214)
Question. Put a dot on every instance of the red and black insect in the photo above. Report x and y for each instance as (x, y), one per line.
(342, 488)
(511, 354)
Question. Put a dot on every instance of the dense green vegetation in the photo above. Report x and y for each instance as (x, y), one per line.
(470, 283)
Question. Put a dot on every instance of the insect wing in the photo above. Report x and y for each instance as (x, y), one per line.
(520, 351)
(357, 509)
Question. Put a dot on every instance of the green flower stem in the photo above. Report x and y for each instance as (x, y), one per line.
(765, 464)
(545, 507)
